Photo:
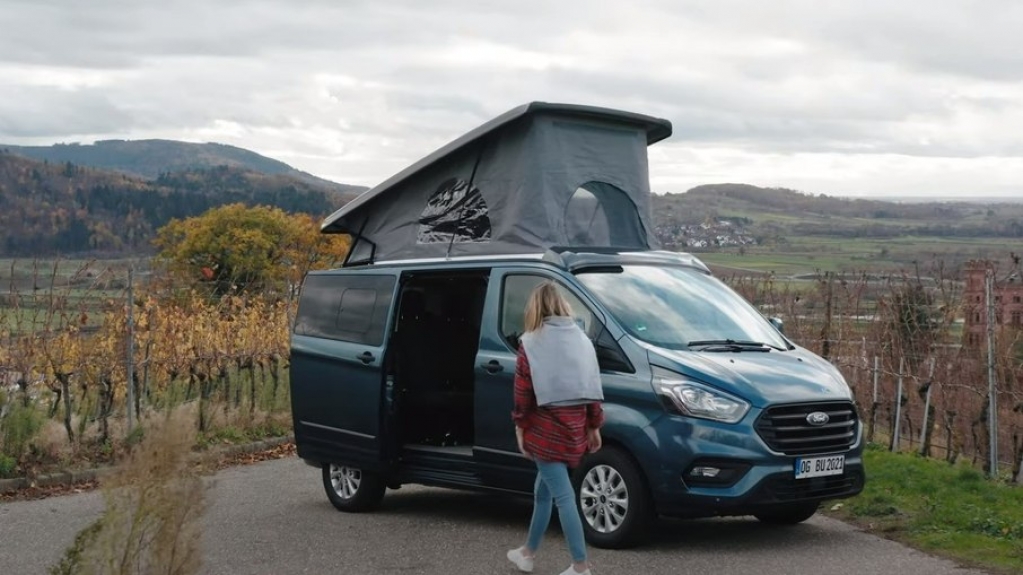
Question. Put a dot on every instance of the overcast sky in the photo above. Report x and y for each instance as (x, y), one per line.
(865, 97)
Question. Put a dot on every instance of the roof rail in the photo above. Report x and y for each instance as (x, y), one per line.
(573, 258)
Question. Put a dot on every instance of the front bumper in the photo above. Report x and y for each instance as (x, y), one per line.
(770, 492)
(767, 479)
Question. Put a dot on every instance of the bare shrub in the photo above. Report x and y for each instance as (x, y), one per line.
(51, 442)
(154, 506)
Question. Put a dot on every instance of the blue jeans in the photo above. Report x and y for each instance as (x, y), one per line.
(553, 485)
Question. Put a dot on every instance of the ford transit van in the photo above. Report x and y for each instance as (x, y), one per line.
(403, 359)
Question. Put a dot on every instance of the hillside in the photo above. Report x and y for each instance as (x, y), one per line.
(739, 214)
(60, 206)
(48, 209)
(148, 159)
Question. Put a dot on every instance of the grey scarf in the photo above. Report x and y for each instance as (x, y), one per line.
(563, 363)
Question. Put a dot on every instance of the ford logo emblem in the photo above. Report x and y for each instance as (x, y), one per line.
(818, 418)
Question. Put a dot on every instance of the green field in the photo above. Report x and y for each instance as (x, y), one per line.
(40, 293)
(801, 255)
(28, 320)
(27, 275)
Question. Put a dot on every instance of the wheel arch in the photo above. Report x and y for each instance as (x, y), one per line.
(617, 444)
(634, 442)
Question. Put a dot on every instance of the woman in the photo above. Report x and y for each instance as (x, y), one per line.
(557, 417)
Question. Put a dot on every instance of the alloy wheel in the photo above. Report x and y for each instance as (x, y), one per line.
(604, 499)
(345, 481)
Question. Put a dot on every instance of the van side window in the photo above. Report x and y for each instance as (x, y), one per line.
(345, 308)
(517, 288)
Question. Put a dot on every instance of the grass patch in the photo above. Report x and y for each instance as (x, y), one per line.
(8, 466)
(950, 510)
(271, 426)
(18, 428)
(155, 501)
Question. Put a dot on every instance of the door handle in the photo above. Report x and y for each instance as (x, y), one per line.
(365, 357)
(492, 366)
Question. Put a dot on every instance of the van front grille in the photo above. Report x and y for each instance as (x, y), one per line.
(788, 429)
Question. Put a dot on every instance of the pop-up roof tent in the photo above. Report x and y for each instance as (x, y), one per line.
(538, 176)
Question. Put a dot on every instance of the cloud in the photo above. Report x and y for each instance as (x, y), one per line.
(681, 167)
(52, 113)
(882, 93)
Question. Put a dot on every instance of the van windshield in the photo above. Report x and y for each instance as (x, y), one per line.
(679, 308)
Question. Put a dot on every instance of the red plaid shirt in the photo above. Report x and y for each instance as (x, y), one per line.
(553, 433)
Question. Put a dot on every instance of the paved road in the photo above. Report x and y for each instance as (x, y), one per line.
(273, 518)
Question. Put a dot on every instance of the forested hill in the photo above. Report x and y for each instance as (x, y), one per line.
(149, 158)
(48, 209)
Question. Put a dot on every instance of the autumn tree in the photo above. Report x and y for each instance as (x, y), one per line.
(235, 248)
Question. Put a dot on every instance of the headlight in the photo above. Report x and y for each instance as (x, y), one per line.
(695, 399)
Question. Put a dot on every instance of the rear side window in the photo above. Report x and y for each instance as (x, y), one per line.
(345, 308)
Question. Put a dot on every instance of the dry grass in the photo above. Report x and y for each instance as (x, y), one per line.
(154, 507)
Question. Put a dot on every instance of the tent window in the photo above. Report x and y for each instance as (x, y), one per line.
(600, 214)
(454, 212)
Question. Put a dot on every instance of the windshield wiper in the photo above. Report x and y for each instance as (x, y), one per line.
(733, 345)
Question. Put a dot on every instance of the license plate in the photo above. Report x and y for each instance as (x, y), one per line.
(807, 467)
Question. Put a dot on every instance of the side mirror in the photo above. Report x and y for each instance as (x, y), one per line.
(778, 324)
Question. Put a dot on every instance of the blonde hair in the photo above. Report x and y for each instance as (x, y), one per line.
(545, 301)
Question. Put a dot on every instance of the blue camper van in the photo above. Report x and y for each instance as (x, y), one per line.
(403, 358)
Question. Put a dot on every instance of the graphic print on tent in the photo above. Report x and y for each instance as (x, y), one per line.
(455, 213)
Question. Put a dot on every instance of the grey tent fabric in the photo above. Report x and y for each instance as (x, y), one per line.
(539, 176)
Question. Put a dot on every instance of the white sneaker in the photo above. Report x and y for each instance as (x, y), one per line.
(525, 564)
(571, 571)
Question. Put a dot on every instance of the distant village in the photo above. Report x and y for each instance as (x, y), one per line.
(709, 234)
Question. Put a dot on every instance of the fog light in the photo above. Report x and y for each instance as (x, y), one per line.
(704, 471)
(715, 472)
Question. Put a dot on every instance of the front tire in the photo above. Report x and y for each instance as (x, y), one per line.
(612, 499)
(351, 489)
(788, 514)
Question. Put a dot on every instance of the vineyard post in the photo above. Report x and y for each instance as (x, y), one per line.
(826, 327)
(991, 387)
(874, 405)
(863, 358)
(927, 411)
(898, 407)
(130, 365)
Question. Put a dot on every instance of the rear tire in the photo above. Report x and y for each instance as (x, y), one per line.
(788, 514)
(612, 499)
(351, 489)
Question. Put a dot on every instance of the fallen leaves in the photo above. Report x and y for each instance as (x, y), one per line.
(278, 452)
(281, 451)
